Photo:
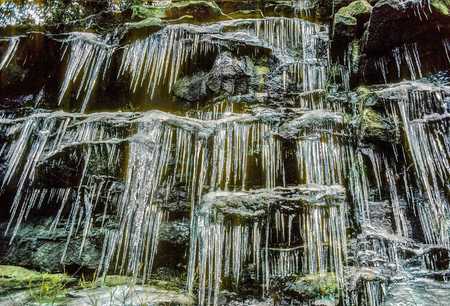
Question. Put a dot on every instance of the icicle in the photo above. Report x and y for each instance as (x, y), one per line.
(446, 43)
(229, 227)
(381, 65)
(321, 160)
(13, 43)
(430, 153)
(400, 223)
(88, 61)
(159, 59)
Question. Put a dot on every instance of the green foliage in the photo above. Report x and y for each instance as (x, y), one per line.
(51, 289)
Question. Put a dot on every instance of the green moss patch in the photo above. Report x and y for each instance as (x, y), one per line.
(314, 286)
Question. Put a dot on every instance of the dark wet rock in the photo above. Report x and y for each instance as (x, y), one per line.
(65, 167)
(395, 22)
(192, 88)
(176, 232)
(230, 75)
(62, 169)
(177, 201)
(326, 9)
(173, 245)
(36, 247)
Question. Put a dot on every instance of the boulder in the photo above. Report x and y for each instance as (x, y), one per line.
(230, 75)
(36, 247)
(191, 88)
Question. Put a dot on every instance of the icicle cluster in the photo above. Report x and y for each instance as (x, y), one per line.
(408, 55)
(233, 229)
(207, 153)
(159, 59)
(87, 64)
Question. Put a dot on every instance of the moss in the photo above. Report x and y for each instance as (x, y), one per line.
(200, 10)
(43, 288)
(315, 286)
(166, 285)
(194, 10)
(150, 22)
(261, 72)
(375, 127)
(356, 9)
(245, 14)
(108, 281)
(371, 120)
(344, 19)
(366, 97)
(143, 12)
(116, 280)
(353, 14)
(441, 6)
(14, 277)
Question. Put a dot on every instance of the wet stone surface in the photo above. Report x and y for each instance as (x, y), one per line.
(224, 153)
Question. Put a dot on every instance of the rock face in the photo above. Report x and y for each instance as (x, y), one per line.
(228, 76)
(377, 42)
(394, 23)
(35, 247)
(224, 152)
